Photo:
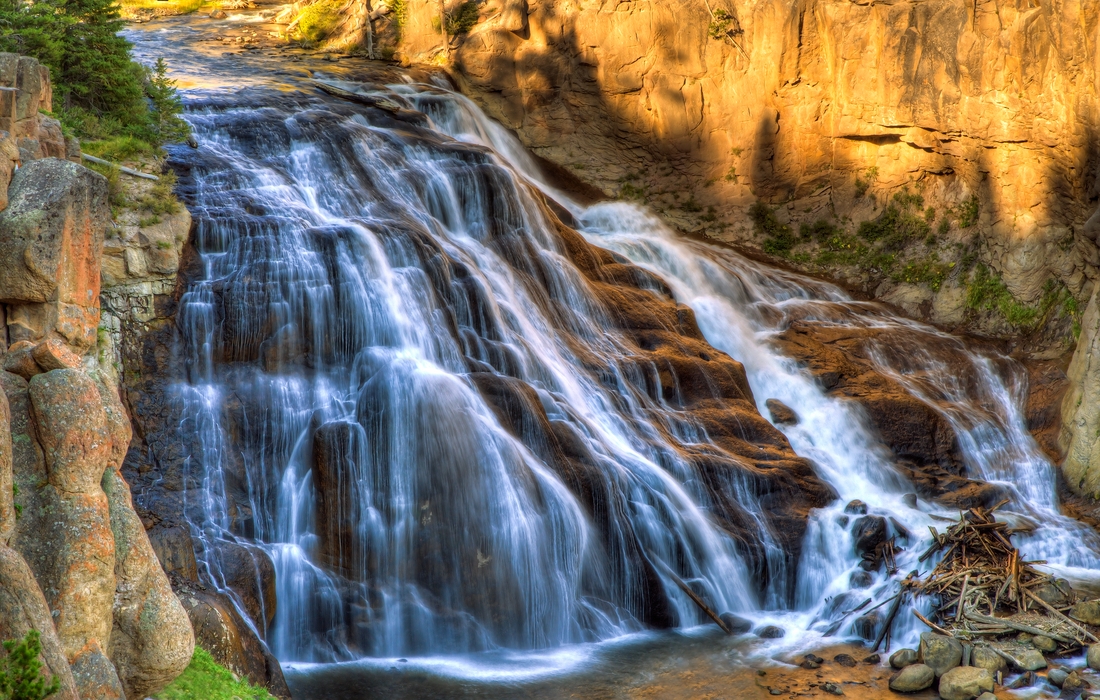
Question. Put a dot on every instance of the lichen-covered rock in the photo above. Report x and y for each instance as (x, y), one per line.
(51, 241)
(940, 653)
(73, 429)
(912, 678)
(23, 608)
(965, 683)
(7, 501)
(152, 640)
(984, 657)
(64, 533)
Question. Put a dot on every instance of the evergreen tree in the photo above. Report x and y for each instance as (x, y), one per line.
(21, 676)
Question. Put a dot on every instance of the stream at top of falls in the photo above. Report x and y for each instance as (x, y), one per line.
(370, 277)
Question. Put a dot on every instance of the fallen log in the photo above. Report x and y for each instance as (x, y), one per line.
(121, 168)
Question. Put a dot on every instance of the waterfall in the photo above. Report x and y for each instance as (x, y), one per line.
(400, 383)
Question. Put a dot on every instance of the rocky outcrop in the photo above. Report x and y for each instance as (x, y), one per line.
(824, 109)
(50, 252)
(25, 133)
(80, 566)
(1080, 435)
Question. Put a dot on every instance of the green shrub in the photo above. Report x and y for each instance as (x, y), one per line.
(316, 21)
(969, 211)
(722, 25)
(901, 223)
(779, 238)
(118, 148)
(987, 291)
(820, 230)
(462, 19)
(204, 679)
(21, 673)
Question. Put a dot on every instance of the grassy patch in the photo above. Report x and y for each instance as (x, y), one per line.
(119, 148)
(179, 7)
(204, 679)
(969, 211)
(900, 224)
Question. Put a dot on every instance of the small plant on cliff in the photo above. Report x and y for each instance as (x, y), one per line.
(863, 184)
(204, 679)
(722, 25)
(21, 673)
(901, 223)
(778, 237)
(969, 211)
(462, 19)
(987, 291)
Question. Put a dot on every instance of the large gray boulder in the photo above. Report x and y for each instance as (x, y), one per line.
(940, 653)
(965, 683)
(911, 679)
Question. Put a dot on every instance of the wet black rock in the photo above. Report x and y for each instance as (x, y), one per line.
(846, 660)
(856, 507)
(873, 659)
(860, 579)
(735, 624)
(869, 532)
(771, 632)
(781, 413)
(866, 626)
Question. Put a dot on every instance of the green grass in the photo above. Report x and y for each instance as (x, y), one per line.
(778, 237)
(969, 211)
(204, 679)
(119, 148)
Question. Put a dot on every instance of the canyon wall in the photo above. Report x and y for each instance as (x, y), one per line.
(75, 561)
(824, 110)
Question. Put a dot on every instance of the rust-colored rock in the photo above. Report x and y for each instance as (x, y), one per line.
(20, 360)
(52, 354)
(23, 608)
(51, 241)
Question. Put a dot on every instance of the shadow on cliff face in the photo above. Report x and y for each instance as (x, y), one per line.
(767, 183)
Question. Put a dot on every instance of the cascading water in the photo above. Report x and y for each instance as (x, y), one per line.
(388, 351)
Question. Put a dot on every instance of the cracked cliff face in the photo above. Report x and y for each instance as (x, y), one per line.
(824, 110)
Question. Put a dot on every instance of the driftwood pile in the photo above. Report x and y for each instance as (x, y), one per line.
(985, 590)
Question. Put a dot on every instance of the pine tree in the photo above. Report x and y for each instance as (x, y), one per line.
(21, 676)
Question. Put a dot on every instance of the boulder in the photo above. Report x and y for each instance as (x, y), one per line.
(735, 623)
(940, 653)
(151, 640)
(869, 532)
(1044, 643)
(1057, 676)
(23, 608)
(781, 413)
(20, 361)
(53, 354)
(856, 507)
(984, 657)
(965, 683)
(1029, 659)
(903, 657)
(73, 430)
(221, 630)
(51, 242)
(1092, 657)
(771, 632)
(64, 534)
(1087, 612)
(912, 679)
(7, 501)
(987, 696)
